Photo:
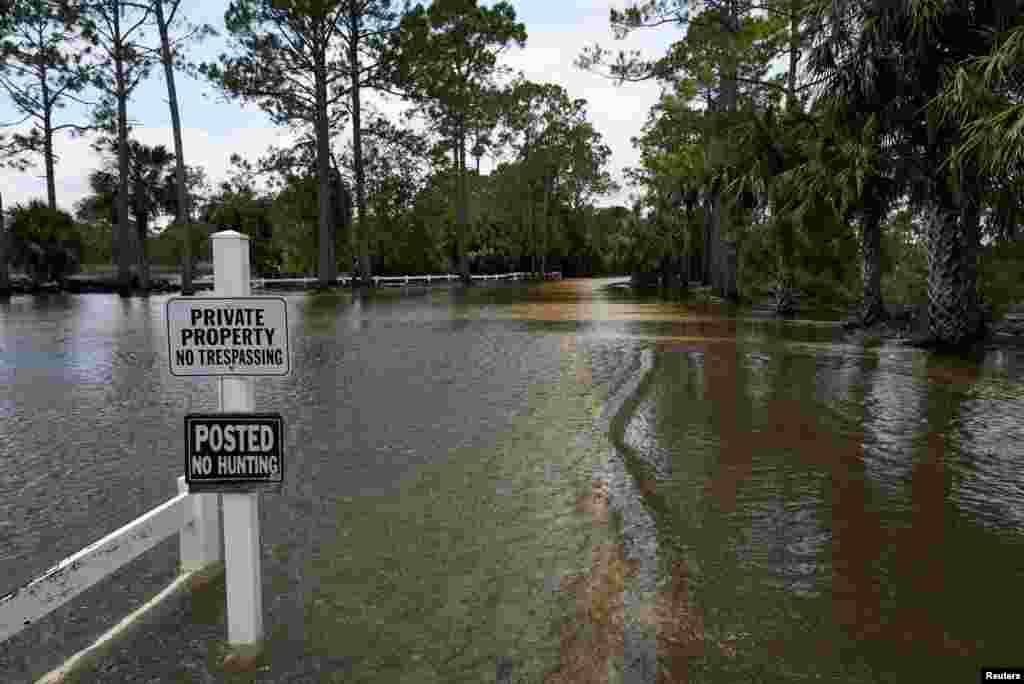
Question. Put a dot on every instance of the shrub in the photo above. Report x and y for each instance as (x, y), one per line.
(1001, 276)
(43, 241)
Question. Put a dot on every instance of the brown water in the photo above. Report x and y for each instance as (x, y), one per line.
(557, 483)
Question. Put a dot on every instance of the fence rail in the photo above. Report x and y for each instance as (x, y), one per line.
(194, 517)
(263, 283)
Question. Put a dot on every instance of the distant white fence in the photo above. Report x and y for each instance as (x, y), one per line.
(263, 283)
(405, 280)
(193, 517)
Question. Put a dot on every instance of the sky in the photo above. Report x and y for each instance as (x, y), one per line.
(214, 129)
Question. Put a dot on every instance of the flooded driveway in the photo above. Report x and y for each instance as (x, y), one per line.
(539, 483)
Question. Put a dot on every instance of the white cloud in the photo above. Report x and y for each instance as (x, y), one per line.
(618, 112)
(78, 159)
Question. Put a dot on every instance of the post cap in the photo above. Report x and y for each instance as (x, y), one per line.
(229, 234)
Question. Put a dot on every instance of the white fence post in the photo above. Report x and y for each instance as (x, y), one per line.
(242, 561)
(200, 530)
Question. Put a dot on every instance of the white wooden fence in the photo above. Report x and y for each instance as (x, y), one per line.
(262, 283)
(195, 518)
(405, 280)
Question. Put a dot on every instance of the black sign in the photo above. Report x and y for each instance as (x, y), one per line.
(234, 452)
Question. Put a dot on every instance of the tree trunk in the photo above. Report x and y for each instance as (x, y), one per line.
(5, 283)
(713, 231)
(326, 262)
(725, 250)
(545, 210)
(361, 227)
(785, 288)
(141, 214)
(665, 275)
(970, 219)
(952, 294)
(461, 200)
(527, 206)
(538, 265)
(124, 254)
(709, 245)
(873, 308)
(142, 229)
(51, 184)
(182, 216)
(731, 266)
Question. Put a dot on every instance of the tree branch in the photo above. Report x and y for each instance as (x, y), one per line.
(140, 22)
(174, 10)
(80, 129)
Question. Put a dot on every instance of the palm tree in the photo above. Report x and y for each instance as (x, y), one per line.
(766, 152)
(890, 59)
(151, 184)
(864, 171)
(149, 167)
(984, 95)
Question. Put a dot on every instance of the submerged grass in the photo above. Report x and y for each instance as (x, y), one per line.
(463, 569)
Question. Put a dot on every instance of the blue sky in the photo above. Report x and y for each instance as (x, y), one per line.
(557, 32)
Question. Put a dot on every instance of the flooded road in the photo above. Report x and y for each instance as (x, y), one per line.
(550, 483)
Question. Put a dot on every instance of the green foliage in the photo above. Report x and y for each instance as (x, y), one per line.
(97, 242)
(150, 188)
(244, 211)
(554, 141)
(1001, 276)
(446, 58)
(904, 261)
(168, 248)
(983, 95)
(433, 63)
(286, 59)
(43, 241)
(277, 45)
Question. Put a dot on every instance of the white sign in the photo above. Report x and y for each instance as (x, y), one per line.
(240, 336)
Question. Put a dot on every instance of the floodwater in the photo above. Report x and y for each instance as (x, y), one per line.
(558, 483)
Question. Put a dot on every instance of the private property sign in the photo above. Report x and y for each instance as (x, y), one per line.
(241, 336)
(233, 452)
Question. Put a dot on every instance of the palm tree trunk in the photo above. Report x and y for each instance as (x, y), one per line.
(182, 216)
(952, 298)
